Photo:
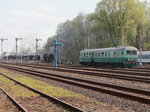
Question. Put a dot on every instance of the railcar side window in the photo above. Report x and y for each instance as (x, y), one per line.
(106, 54)
(89, 54)
(145, 56)
(102, 54)
(114, 54)
(95, 55)
(134, 52)
(128, 52)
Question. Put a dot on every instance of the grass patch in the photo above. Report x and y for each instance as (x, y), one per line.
(15, 89)
(43, 86)
(66, 95)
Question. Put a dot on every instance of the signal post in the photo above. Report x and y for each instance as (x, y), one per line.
(2, 40)
(37, 48)
(17, 48)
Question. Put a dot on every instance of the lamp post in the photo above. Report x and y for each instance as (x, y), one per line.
(122, 34)
(37, 48)
(17, 48)
(2, 40)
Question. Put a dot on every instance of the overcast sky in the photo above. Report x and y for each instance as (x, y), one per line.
(30, 19)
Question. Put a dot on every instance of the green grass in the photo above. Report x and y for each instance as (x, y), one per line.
(44, 87)
(15, 89)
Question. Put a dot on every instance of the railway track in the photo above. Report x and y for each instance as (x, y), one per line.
(20, 107)
(122, 71)
(51, 98)
(139, 69)
(131, 71)
(119, 91)
(141, 77)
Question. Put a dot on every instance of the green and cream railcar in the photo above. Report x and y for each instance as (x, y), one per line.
(117, 56)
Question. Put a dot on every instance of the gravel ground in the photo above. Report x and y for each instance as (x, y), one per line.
(113, 81)
(6, 104)
(113, 101)
(40, 104)
(122, 104)
(31, 101)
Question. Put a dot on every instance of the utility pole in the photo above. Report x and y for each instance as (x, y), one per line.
(2, 39)
(37, 48)
(17, 48)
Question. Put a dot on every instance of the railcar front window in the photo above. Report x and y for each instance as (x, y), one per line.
(134, 52)
(128, 52)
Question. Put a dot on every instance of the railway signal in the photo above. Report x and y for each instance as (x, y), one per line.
(17, 48)
(59, 50)
(37, 48)
(2, 40)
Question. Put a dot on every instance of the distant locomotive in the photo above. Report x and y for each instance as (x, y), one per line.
(124, 56)
(48, 58)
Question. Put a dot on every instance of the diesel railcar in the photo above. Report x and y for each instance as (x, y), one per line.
(144, 57)
(124, 56)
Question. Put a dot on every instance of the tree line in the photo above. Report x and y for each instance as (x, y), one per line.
(113, 23)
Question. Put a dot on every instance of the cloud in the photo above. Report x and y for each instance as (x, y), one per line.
(46, 8)
(35, 15)
(22, 2)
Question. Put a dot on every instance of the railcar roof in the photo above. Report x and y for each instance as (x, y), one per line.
(110, 49)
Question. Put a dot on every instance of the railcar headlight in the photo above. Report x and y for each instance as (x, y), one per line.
(128, 59)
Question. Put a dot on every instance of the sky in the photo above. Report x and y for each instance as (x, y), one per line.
(31, 19)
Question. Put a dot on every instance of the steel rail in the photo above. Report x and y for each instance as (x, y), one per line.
(129, 71)
(48, 75)
(98, 89)
(20, 107)
(54, 99)
(123, 71)
(109, 75)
